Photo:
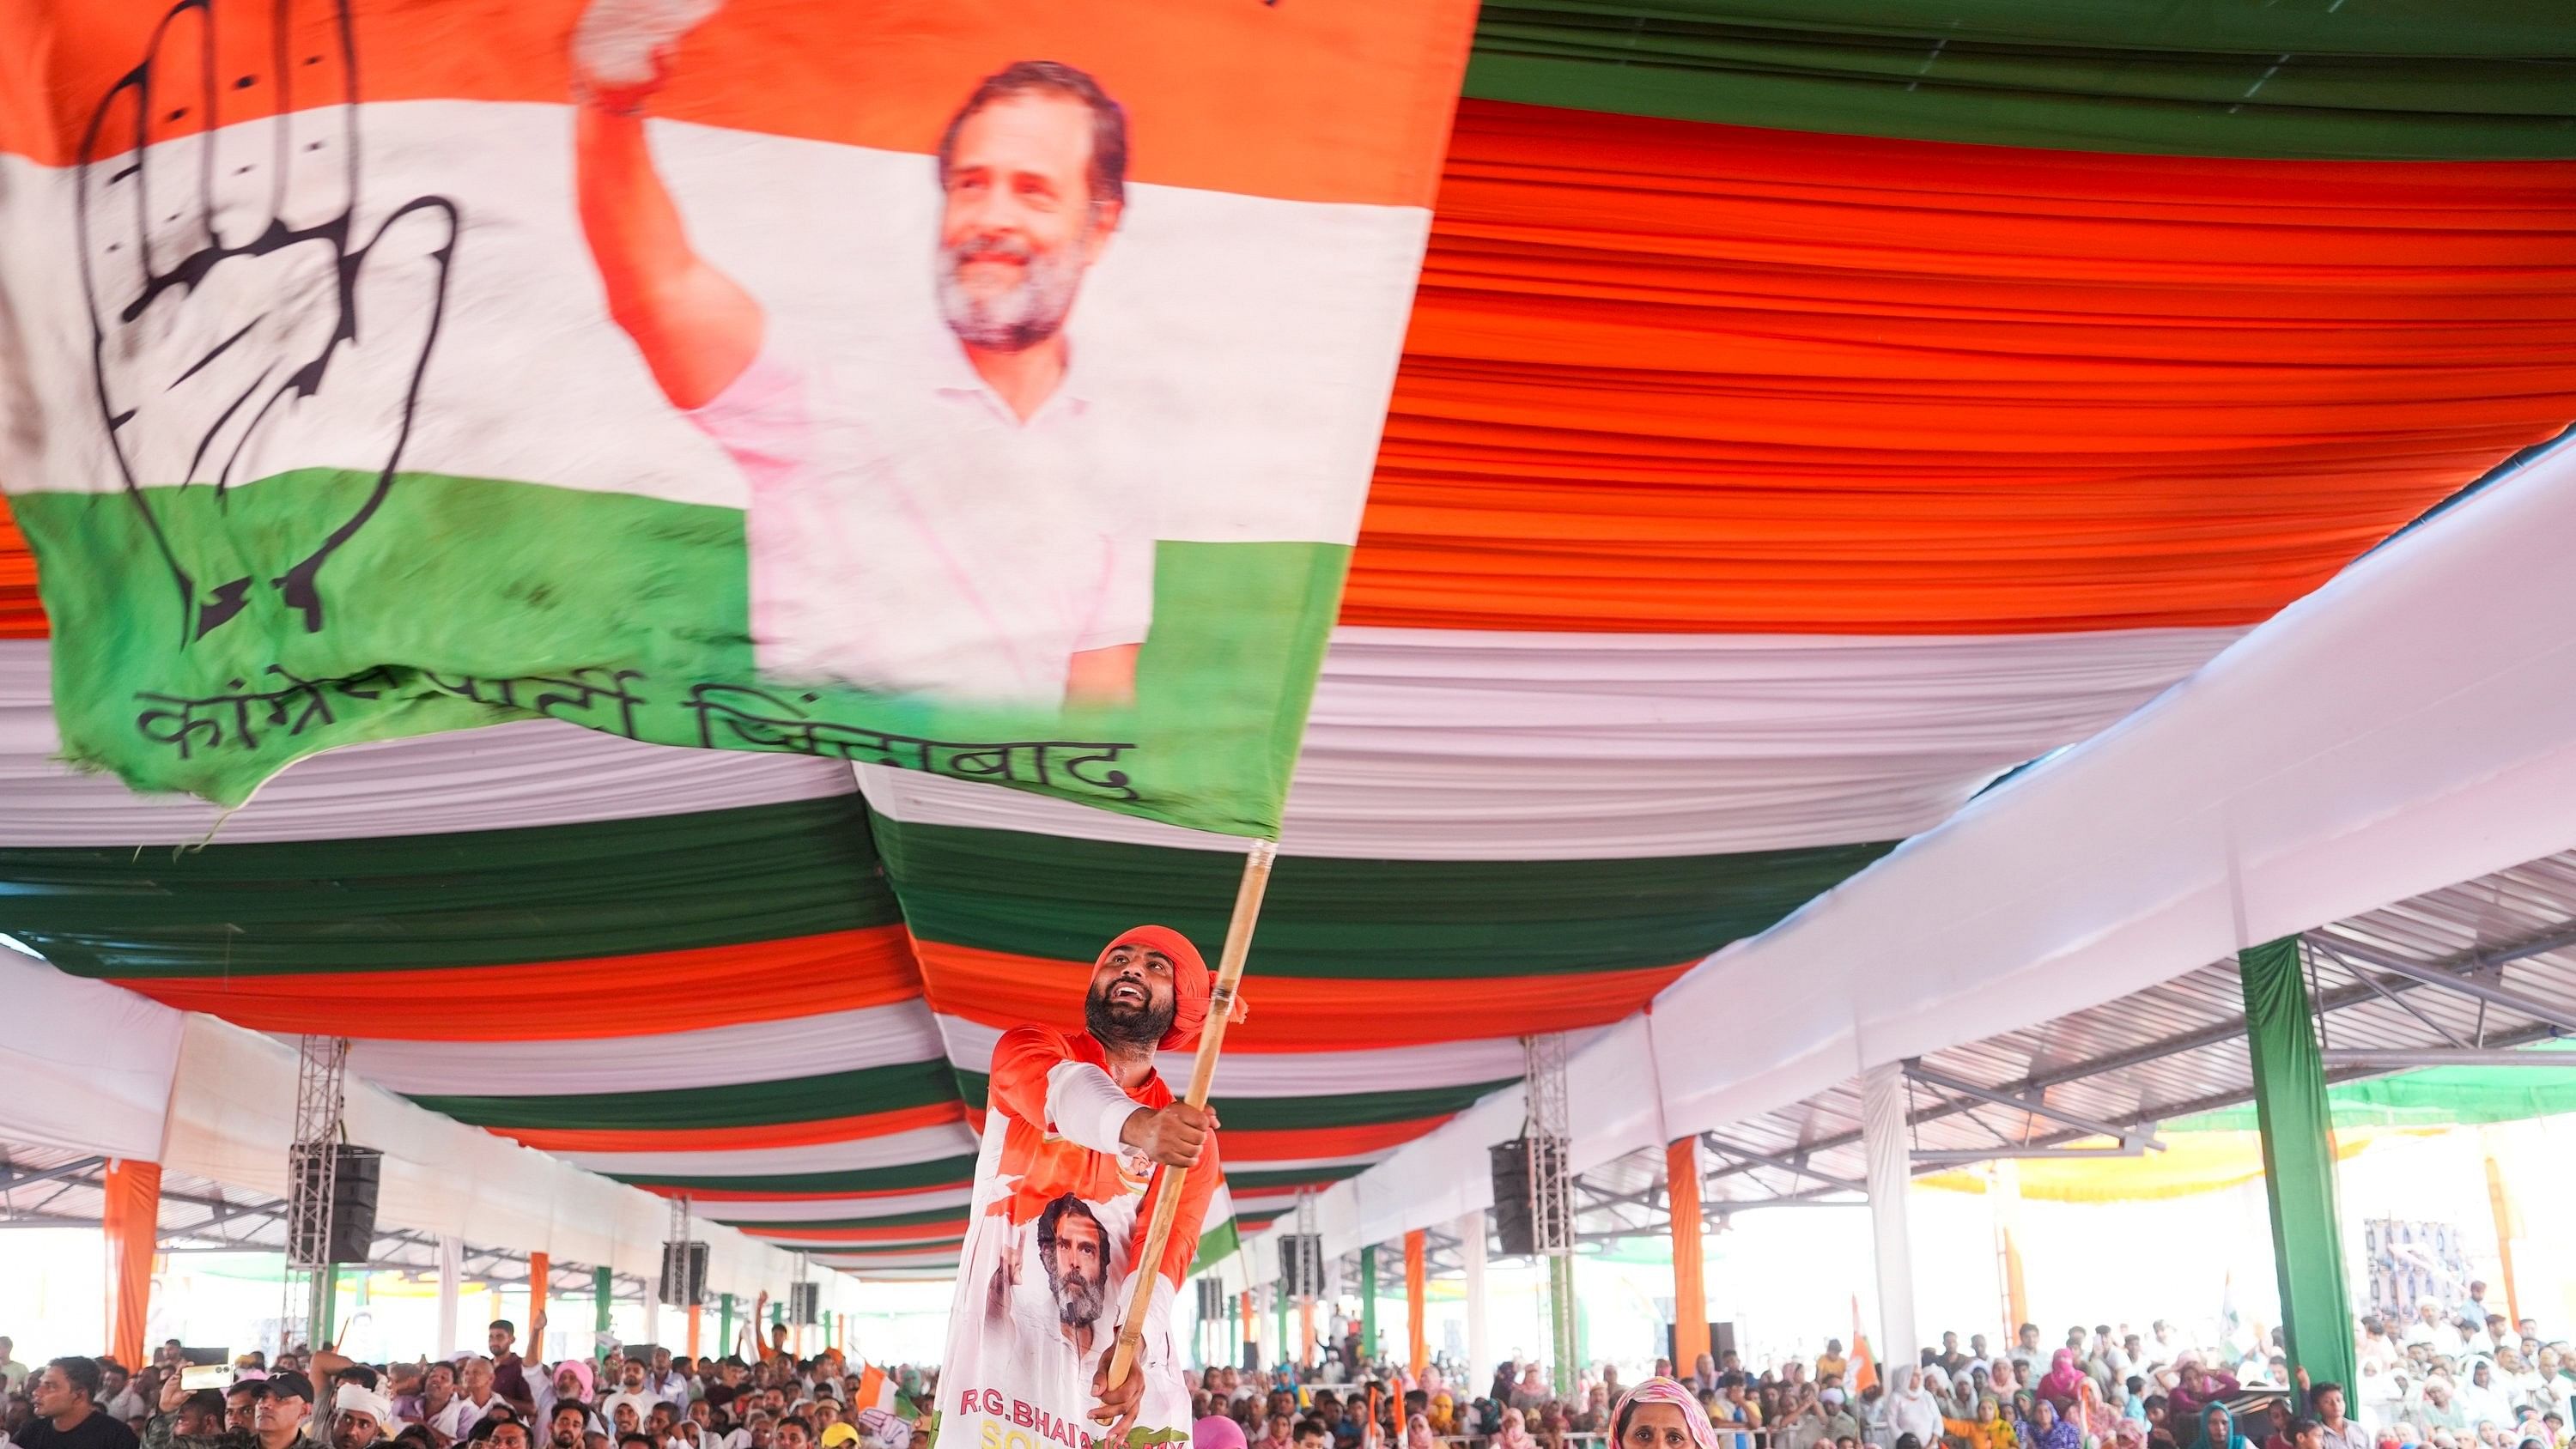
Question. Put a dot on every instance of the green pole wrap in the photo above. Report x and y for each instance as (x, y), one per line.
(326, 1304)
(1368, 1301)
(600, 1288)
(1285, 1352)
(1560, 1288)
(724, 1325)
(2298, 1162)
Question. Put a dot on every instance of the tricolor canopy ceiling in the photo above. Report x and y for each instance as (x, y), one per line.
(1810, 411)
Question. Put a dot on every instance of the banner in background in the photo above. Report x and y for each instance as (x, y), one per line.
(981, 388)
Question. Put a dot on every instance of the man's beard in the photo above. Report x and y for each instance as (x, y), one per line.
(1020, 318)
(1117, 1024)
(1079, 1297)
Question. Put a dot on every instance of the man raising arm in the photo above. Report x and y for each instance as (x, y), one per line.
(697, 328)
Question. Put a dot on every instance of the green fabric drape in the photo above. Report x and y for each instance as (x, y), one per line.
(472, 898)
(2433, 1097)
(2298, 1162)
(742, 1104)
(1058, 898)
(903, 1177)
(2387, 79)
(724, 1325)
(1368, 1301)
(601, 1287)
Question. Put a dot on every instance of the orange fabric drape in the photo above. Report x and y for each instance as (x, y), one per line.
(131, 1216)
(1292, 1013)
(1249, 1148)
(697, 1312)
(1676, 376)
(1417, 1301)
(1690, 1274)
(789, 69)
(709, 1139)
(1305, 1330)
(597, 996)
(540, 1283)
(21, 615)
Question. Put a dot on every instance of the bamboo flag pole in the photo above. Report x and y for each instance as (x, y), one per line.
(1229, 975)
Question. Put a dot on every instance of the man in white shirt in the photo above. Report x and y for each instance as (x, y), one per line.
(480, 1398)
(665, 1382)
(2427, 1325)
(945, 530)
(631, 1391)
(117, 1396)
(2026, 1356)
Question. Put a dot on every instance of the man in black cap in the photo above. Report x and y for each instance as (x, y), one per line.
(285, 1404)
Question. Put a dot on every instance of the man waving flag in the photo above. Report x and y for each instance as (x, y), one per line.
(1076, 1129)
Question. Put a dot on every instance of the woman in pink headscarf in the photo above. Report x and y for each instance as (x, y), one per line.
(2058, 1384)
(1660, 1414)
(1515, 1433)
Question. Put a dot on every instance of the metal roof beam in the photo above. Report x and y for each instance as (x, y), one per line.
(2215, 1034)
(1961, 1157)
(2036, 1106)
(2403, 1059)
(2445, 979)
(1796, 1164)
(16, 1180)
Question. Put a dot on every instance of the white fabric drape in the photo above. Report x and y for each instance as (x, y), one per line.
(1444, 744)
(232, 1114)
(1890, 1150)
(826, 1209)
(2410, 725)
(893, 1149)
(1471, 1250)
(761, 1051)
(87, 1065)
(1294, 1074)
(451, 1272)
(532, 772)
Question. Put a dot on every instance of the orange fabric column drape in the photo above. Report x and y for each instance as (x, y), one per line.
(540, 1286)
(132, 1219)
(696, 1312)
(1305, 1330)
(1242, 1321)
(1690, 1280)
(1417, 1283)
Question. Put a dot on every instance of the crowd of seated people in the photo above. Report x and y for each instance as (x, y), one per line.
(2453, 1377)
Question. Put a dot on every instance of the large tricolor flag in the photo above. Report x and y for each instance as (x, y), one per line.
(986, 389)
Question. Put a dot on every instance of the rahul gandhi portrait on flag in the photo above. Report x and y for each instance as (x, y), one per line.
(940, 521)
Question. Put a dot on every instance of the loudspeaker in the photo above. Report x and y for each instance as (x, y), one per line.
(1301, 1265)
(1512, 1224)
(1721, 1342)
(349, 1230)
(805, 1303)
(1211, 1299)
(684, 1274)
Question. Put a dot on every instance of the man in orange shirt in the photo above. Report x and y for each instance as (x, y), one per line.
(1080, 1136)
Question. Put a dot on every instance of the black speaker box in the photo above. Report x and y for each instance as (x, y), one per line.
(684, 1274)
(1512, 1224)
(355, 1172)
